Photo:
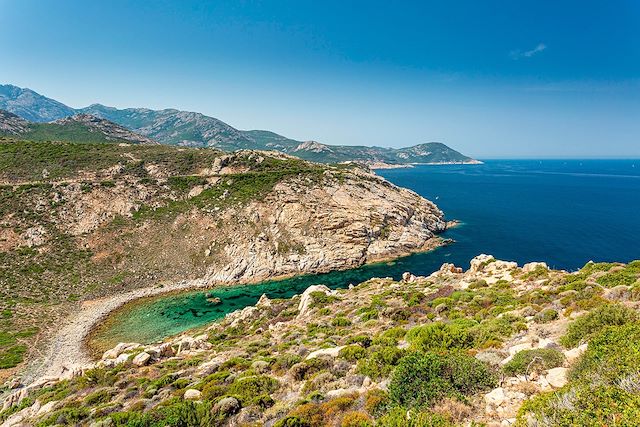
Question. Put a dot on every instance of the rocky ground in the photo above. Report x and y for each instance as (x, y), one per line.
(494, 345)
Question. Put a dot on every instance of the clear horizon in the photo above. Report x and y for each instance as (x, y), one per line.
(491, 80)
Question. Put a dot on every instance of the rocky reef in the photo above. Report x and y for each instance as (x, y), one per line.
(497, 344)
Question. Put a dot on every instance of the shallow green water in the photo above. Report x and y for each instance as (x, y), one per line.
(153, 319)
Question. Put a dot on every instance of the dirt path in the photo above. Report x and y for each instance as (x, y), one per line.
(66, 351)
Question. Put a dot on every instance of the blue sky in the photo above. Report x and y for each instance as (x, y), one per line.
(490, 78)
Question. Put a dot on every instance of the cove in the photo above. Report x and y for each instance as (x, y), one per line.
(563, 212)
(152, 319)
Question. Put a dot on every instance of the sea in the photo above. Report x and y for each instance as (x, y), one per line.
(563, 212)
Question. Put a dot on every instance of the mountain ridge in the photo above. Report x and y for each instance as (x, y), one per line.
(187, 128)
(76, 128)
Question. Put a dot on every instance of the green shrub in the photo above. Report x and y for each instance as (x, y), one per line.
(440, 336)
(421, 379)
(353, 352)
(626, 276)
(356, 419)
(98, 397)
(65, 416)
(467, 374)
(528, 361)
(582, 405)
(380, 362)
(12, 356)
(588, 325)
(603, 388)
(249, 389)
(492, 332)
(340, 321)
(546, 316)
(286, 361)
(363, 340)
(320, 299)
(611, 355)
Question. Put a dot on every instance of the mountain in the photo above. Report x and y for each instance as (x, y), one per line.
(11, 124)
(77, 128)
(427, 153)
(175, 127)
(31, 105)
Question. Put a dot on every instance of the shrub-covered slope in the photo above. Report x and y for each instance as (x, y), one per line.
(495, 345)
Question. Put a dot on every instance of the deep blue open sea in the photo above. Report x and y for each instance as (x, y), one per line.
(563, 212)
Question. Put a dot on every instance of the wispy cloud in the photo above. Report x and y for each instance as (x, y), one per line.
(517, 54)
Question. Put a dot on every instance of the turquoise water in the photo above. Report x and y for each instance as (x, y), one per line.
(562, 212)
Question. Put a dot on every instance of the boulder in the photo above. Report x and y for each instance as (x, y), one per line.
(122, 358)
(408, 277)
(574, 353)
(331, 352)
(227, 406)
(448, 268)
(118, 350)
(519, 347)
(141, 359)
(192, 394)
(531, 266)
(306, 299)
(46, 408)
(557, 377)
(478, 263)
(264, 301)
(495, 397)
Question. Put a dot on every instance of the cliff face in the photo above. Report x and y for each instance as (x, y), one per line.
(339, 224)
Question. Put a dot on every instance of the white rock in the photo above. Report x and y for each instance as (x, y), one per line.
(557, 377)
(519, 347)
(119, 349)
(264, 301)
(478, 263)
(46, 408)
(533, 265)
(331, 352)
(306, 299)
(122, 358)
(192, 394)
(574, 353)
(341, 392)
(495, 397)
(141, 359)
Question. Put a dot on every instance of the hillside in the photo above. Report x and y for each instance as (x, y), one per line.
(88, 220)
(175, 127)
(494, 345)
(77, 128)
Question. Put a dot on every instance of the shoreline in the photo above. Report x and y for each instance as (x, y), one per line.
(382, 166)
(69, 351)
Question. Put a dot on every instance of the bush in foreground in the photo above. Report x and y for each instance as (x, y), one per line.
(419, 380)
